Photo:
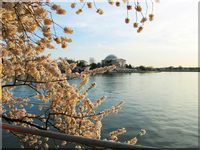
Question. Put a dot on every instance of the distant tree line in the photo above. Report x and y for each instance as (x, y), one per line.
(81, 65)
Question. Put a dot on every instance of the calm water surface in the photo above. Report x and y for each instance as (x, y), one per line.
(165, 104)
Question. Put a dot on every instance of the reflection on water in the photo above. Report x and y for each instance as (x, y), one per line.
(166, 104)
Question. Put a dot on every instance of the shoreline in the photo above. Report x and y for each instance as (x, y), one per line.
(128, 71)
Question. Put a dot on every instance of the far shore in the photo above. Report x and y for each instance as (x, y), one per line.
(151, 71)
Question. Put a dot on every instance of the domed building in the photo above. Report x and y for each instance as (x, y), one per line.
(113, 60)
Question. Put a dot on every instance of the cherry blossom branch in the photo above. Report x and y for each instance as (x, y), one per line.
(21, 121)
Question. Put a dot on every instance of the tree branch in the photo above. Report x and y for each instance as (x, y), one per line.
(22, 121)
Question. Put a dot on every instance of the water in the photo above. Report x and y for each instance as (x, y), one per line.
(165, 104)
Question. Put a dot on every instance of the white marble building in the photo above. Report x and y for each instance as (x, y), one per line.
(113, 60)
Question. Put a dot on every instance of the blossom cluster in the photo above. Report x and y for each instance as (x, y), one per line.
(141, 10)
(114, 134)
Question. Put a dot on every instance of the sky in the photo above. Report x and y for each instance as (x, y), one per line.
(170, 40)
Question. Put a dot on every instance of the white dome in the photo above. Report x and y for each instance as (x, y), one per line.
(111, 57)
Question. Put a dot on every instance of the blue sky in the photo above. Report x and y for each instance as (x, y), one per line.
(170, 40)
